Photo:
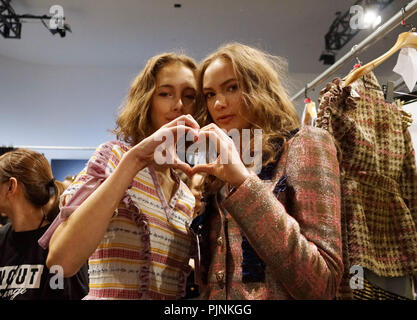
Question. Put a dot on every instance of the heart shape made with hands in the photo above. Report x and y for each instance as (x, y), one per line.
(175, 150)
(213, 150)
(203, 152)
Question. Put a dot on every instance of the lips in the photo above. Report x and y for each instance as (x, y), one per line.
(225, 119)
(172, 118)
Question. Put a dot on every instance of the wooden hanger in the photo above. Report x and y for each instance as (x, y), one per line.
(310, 113)
(405, 40)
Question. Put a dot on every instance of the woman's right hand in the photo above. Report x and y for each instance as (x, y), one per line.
(144, 153)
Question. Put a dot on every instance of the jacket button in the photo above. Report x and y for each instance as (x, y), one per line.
(220, 276)
(220, 241)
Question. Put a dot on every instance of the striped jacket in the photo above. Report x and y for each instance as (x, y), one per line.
(147, 246)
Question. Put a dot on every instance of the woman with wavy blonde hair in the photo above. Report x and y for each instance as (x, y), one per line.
(266, 105)
(126, 213)
(274, 234)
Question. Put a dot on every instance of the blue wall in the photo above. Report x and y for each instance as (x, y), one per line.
(62, 167)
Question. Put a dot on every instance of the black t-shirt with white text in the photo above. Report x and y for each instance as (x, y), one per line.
(23, 271)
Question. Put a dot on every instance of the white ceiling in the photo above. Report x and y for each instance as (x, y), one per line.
(125, 33)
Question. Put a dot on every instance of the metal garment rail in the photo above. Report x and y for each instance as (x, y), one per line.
(387, 27)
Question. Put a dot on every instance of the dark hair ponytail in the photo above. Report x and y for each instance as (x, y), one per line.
(33, 171)
(56, 188)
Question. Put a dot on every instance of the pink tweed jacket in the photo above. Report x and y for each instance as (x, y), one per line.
(296, 233)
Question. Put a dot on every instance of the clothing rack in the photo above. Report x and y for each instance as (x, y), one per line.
(392, 87)
(383, 30)
(406, 94)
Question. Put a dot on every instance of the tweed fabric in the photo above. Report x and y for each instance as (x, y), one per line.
(378, 178)
(297, 236)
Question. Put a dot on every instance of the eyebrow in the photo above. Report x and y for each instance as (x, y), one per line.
(223, 83)
(171, 86)
(165, 86)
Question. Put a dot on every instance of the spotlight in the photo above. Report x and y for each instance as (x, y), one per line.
(377, 22)
(345, 26)
(11, 23)
(371, 19)
(61, 31)
(328, 57)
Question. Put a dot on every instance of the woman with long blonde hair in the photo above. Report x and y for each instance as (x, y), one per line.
(125, 213)
(272, 233)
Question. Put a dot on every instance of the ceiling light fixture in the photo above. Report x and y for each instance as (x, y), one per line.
(11, 23)
(371, 19)
(346, 25)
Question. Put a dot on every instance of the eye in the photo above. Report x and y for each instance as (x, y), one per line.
(209, 95)
(233, 88)
(164, 94)
(189, 95)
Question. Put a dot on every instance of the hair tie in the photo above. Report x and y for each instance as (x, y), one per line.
(51, 186)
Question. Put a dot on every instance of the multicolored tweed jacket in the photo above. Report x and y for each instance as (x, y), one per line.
(278, 239)
(145, 251)
(378, 178)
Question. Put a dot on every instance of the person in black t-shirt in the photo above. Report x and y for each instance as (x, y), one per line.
(29, 196)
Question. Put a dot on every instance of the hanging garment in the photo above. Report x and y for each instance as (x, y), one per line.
(378, 179)
(309, 114)
(411, 110)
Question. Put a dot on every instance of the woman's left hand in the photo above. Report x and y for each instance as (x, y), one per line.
(228, 165)
(160, 147)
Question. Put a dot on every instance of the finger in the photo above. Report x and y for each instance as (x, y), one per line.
(214, 128)
(221, 132)
(209, 133)
(173, 133)
(191, 118)
(214, 137)
(209, 126)
(203, 168)
(181, 165)
(184, 167)
(181, 130)
(188, 120)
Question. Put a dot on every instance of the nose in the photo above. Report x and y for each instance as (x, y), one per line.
(178, 106)
(220, 102)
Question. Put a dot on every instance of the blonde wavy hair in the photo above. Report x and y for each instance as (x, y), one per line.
(267, 104)
(133, 123)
